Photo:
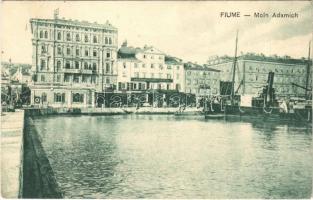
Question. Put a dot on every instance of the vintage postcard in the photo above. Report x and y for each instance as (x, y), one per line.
(156, 99)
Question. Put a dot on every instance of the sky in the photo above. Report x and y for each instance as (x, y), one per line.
(190, 30)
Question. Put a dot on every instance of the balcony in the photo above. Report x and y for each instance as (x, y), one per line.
(153, 80)
(79, 71)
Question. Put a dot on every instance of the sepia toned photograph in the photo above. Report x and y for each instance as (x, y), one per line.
(156, 99)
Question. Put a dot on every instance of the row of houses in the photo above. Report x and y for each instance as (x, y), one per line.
(75, 62)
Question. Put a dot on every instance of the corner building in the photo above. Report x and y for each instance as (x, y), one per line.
(72, 60)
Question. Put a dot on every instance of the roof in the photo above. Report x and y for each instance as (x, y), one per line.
(71, 22)
(261, 57)
(127, 52)
(172, 60)
(195, 66)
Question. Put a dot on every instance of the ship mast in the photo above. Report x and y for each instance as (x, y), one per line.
(308, 72)
(234, 71)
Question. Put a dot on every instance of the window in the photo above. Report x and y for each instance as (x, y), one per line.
(77, 52)
(41, 34)
(59, 50)
(94, 66)
(110, 40)
(43, 49)
(152, 65)
(76, 65)
(107, 68)
(59, 37)
(44, 97)
(168, 76)
(106, 40)
(144, 56)
(58, 97)
(76, 78)
(169, 67)
(68, 37)
(108, 55)
(84, 79)
(143, 65)
(58, 78)
(42, 64)
(177, 67)
(67, 78)
(95, 53)
(107, 80)
(86, 38)
(46, 34)
(67, 65)
(85, 65)
(135, 65)
(68, 51)
(144, 74)
(58, 65)
(95, 39)
(42, 78)
(152, 57)
(137, 74)
(124, 65)
(77, 38)
(86, 52)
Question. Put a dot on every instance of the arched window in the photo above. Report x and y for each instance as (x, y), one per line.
(58, 65)
(86, 52)
(41, 34)
(76, 65)
(68, 51)
(77, 52)
(110, 40)
(86, 38)
(95, 39)
(106, 40)
(77, 38)
(94, 66)
(85, 65)
(46, 34)
(59, 36)
(68, 37)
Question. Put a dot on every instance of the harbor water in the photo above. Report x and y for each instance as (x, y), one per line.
(162, 156)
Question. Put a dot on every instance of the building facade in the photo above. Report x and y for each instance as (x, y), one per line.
(252, 73)
(201, 80)
(148, 69)
(72, 60)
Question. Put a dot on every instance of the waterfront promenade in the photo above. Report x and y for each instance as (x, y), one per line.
(11, 153)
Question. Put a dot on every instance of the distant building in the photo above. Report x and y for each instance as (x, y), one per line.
(22, 76)
(72, 60)
(252, 72)
(148, 68)
(201, 80)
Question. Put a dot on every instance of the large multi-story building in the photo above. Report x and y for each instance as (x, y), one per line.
(72, 60)
(201, 80)
(252, 71)
(148, 68)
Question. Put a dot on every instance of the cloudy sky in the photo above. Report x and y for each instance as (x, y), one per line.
(191, 30)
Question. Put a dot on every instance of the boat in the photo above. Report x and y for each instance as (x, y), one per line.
(263, 107)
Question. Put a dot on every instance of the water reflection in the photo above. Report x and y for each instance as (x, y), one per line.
(148, 156)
